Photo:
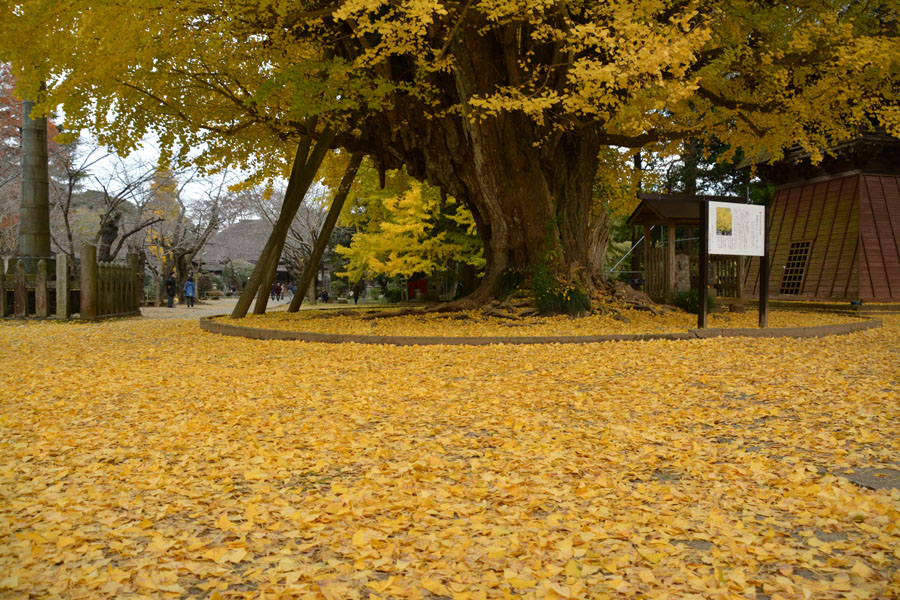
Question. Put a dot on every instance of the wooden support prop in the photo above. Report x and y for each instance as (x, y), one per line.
(20, 297)
(703, 267)
(764, 281)
(327, 227)
(63, 309)
(41, 302)
(670, 262)
(306, 165)
(271, 270)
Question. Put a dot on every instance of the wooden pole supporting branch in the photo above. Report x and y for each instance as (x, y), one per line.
(302, 174)
(322, 242)
(670, 261)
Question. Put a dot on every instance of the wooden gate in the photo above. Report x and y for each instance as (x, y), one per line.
(655, 273)
(728, 275)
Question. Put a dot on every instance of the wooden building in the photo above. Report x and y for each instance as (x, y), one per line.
(834, 228)
(670, 251)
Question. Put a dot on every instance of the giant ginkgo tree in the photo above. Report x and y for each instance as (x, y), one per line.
(505, 105)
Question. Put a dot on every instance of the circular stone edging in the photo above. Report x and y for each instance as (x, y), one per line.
(209, 325)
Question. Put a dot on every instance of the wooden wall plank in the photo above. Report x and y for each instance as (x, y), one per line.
(880, 238)
(823, 208)
(854, 223)
(843, 245)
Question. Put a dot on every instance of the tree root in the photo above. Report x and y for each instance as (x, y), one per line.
(609, 298)
(456, 306)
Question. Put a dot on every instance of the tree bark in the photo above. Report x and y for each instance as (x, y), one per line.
(529, 209)
(109, 231)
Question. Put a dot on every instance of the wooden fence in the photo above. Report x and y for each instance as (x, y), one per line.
(726, 274)
(95, 291)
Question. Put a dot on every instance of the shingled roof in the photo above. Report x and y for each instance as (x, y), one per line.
(677, 209)
(243, 240)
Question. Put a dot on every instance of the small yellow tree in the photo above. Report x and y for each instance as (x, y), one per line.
(418, 233)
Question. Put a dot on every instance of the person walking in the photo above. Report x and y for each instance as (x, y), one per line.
(171, 289)
(189, 291)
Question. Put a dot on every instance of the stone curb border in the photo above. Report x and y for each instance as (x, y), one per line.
(209, 324)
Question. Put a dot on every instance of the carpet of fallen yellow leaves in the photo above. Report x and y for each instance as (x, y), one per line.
(476, 324)
(149, 459)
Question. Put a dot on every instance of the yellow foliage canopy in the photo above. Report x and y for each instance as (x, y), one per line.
(503, 105)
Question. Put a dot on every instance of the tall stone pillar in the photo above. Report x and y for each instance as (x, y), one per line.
(34, 198)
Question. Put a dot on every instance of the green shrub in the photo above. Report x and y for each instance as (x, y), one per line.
(393, 293)
(206, 281)
(339, 287)
(690, 301)
(150, 293)
(508, 282)
(215, 294)
(552, 296)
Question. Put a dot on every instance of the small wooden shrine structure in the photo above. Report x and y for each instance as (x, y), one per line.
(834, 227)
(669, 263)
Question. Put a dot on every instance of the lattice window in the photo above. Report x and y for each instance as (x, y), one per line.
(795, 268)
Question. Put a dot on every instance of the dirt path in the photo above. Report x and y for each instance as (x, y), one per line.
(207, 308)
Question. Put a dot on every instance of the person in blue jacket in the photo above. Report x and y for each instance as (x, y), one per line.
(189, 291)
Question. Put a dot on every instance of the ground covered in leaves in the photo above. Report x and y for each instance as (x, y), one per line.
(149, 459)
(491, 323)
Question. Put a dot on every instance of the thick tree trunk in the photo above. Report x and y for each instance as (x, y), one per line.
(529, 209)
(109, 231)
(529, 187)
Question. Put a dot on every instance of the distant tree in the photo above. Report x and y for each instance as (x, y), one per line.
(304, 228)
(710, 167)
(236, 273)
(182, 229)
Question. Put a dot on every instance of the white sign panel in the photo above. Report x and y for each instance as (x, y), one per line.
(736, 229)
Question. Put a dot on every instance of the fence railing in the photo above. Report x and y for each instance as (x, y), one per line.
(92, 290)
(726, 274)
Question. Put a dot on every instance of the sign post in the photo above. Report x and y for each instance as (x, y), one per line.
(737, 230)
(703, 267)
(764, 283)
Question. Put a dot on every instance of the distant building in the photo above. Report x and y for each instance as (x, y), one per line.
(243, 240)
